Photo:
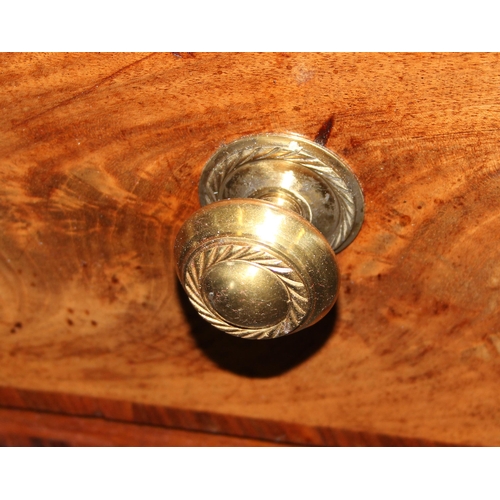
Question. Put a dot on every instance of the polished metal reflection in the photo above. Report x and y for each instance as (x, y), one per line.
(314, 181)
(254, 270)
(257, 261)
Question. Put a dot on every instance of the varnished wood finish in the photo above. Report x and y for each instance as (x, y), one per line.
(100, 157)
(25, 428)
(205, 428)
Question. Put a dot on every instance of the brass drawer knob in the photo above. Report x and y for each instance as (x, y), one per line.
(258, 259)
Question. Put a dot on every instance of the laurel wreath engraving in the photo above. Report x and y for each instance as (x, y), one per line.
(338, 187)
(201, 262)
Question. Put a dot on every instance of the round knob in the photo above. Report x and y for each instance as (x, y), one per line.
(253, 261)
(256, 270)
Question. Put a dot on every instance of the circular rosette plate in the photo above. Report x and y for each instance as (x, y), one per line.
(317, 184)
(255, 270)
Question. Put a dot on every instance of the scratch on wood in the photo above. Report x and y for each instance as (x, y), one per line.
(495, 340)
(84, 92)
(324, 132)
(465, 133)
(480, 351)
(485, 350)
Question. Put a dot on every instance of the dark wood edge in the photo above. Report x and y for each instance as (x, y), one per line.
(39, 428)
(208, 422)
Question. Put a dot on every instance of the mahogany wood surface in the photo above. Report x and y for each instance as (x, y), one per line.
(203, 425)
(28, 428)
(100, 156)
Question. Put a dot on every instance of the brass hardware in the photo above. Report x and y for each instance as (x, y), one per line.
(257, 260)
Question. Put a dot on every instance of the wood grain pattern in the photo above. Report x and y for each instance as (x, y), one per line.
(203, 428)
(25, 428)
(100, 158)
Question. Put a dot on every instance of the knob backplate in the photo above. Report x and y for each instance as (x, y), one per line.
(293, 172)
